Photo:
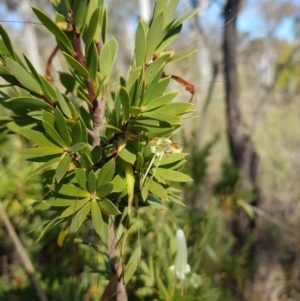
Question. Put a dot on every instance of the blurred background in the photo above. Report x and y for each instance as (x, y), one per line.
(242, 213)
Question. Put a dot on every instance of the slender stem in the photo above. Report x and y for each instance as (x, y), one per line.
(22, 253)
(49, 63)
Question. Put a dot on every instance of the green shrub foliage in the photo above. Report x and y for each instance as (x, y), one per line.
(107, 149)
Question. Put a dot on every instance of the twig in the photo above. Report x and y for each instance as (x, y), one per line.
(49, 62)
(22, 253)
(115, 284)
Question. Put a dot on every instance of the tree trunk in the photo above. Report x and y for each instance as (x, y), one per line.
(243, 154)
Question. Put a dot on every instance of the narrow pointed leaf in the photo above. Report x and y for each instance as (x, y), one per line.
(24, 77)
(96, 217)
(53, 28)
(62, 168)
(125, 101)
(69, 190)
(79, 13)
(86, 161)
(106, 173)
(91, 182)
(76, 65)
(53, 133)
(63, 105)
(105, 189)
(35, 136)
(107, 206)
(61, 126)
(140, 44)
(40, 152)
(157, 189)
(73, 208)
(154, 36)
(132, 264)
(79, 218)
(45, 166)
(29, 103)
(7, 41)
(172, 175)
(81, 178)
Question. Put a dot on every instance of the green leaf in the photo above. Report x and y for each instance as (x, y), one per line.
(170, 11)
(156, 68)
(45, 165)
(145, 191)
(40, 152)
(170, 159)
(81, 178)
(35, 136)
(182, 55)
(106, 173)
(104, 25)
(61, 126)
(172, 119)
(132, 264)
(169, 38)
(62, 168)
(49, 117)
(58, 202)
(63, 104)
(157, 189)
(177, 108)
(73, 208)
(107, 206)
(106, 61)
(80, 217)
(86, 161)
(155, 203)
(158, 90)
(93, 31)
(92, 61)
(96, 154)
(76, 65)
(140, 44)
(164, 99)
(105, 190)
(172, 175)
(53, 222)
(188, 15)
(78, 147)
(154, 36)
(113, 44)
(53, 133)
(76, 133)
(119, 184)
(127, 156)
(69, 190)
(96, 217)
(29, 103)
(24, 77)
(91, 182)
(69, 82)
(133, 77)
(54, 29)
(79, 13)
(5, 71)
(7, 41)
(125, 101)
